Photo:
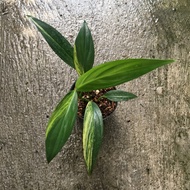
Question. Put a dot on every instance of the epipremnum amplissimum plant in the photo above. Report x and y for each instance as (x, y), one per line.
(109, 74)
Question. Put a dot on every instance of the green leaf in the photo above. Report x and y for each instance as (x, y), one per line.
(92, 134)
(61, 124)
(118, 95)
(116, 72)
(78, 66)
(55, 40)
(85, 47)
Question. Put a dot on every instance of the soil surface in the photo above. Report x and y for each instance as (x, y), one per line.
(106, 106)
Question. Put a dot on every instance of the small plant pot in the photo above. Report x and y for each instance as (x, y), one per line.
(106, 106)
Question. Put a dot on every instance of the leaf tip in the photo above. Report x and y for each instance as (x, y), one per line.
(85, 24)
(89, 172)
(49, 157)
(29, 16)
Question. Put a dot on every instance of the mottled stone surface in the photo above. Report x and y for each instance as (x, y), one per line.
(146, 142)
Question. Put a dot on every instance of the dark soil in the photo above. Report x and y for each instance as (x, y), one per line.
(106, 106)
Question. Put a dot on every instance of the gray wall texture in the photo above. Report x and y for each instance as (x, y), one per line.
(146, 142)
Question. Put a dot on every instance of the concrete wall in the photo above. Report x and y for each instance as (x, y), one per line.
(146, 142)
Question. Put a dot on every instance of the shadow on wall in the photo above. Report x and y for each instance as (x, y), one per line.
(170, 22)
(182, 148)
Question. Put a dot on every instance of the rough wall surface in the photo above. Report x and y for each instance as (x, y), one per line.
(146, 142)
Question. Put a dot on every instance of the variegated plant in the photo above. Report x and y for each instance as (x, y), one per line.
(81, 58)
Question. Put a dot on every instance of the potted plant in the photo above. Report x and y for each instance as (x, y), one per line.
(94, 87)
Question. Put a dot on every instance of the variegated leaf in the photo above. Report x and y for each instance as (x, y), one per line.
(92, 134)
